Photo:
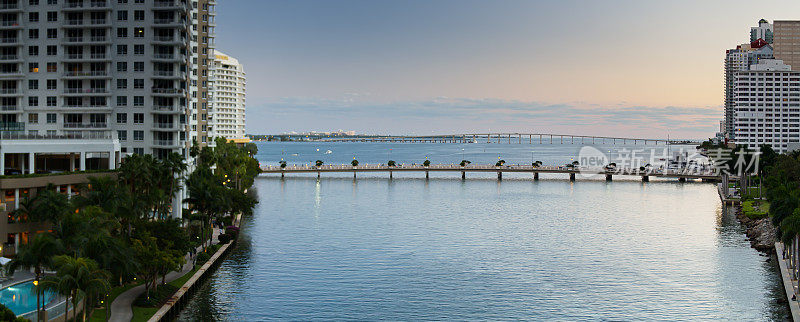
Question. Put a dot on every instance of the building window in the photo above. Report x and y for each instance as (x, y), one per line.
(52, 118)
(122, 100)
(52, 50)
(138, 66)
(138, 32)
(138, 50)
(138, 83)
(122, 32)
(33, 118)
(122, 118)
(122, 83)
(139, 151)
(52, 84)
(52, 101)
(33, 84)
(138, 101)
(33, 16)
(33, 67)
(122, 66)
(138, 136)
(138, 15)
(33, 101)
(33, 50)
(33, 33)
(52, 33)
(122, 135)
(52, 16)
(52, 67)
(122, 15)
(138, 118)
(122, 50)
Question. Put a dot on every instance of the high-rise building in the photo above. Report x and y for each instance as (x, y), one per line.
(763, 31)
(767, 106)
(203, 34)
(227, 95)
(83, 83)
(739, 59)
(787, 42)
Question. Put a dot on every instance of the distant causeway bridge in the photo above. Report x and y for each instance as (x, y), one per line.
(681, 175)
(519, 138)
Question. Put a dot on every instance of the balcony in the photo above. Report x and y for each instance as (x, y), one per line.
(76, 125)
(74, 22)
(169, 5)
(10, 24)
(9, 40)
(169, 57)
(98, 4)
(6, 91)
(12, 126)
(73, 5)
(10, 73)
(172, 92)
(164, 125)
(73, 39)
(97, 73)
(99, 21)
(85, 90)
(74, 135)
(169, 40)
(157, 142)
(8, 107)
(9, 7)
(169, 74)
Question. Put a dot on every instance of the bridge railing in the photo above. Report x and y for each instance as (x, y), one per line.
(457, 167)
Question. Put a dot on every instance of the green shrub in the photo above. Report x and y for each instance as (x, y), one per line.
(224, 238)
(202, 258)
(161, 294)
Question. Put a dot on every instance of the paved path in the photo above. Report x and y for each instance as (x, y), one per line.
(121, 310)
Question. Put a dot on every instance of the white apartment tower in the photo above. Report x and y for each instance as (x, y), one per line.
(767, 104)
(78, 70)
(227, 96)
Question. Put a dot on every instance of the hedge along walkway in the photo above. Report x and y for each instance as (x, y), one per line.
(121, 308)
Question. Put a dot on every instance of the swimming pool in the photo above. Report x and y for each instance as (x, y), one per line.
(20, 298)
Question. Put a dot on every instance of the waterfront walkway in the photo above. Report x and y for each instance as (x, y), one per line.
(122, 307)
(789, 285)
(684, 174)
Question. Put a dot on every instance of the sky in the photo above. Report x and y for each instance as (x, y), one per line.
(634, 68)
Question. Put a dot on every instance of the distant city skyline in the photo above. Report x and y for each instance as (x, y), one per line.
(630, 68)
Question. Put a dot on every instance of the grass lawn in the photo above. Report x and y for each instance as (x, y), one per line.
(144, 313)
(755, 209)
(99, 315)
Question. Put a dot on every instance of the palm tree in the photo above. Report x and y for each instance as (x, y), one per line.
(37, 254)
(319, 163)
(283, 164)
(537, 164)
(464, 163)
(427, 163)
(391, 163)
(500, 163)
(354, 162)
(77, 276)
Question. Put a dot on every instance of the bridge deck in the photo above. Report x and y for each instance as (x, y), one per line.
(685, 174)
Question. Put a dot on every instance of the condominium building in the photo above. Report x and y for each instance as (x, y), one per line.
(85, 82)
(767, 106)
(763, 31)
(227, 95)
(739, 59)
(787, 42)
(202, 43)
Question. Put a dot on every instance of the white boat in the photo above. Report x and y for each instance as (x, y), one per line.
(328, 152)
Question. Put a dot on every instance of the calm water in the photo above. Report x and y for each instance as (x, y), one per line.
(446, 249)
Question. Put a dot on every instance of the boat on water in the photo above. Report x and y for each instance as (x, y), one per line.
(328, 152)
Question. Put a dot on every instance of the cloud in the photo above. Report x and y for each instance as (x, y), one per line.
(460, 115)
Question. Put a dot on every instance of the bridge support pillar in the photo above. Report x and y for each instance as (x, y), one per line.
(281, 175)
(499, 175)
(645, 179)
(536, 176)
(463, 175)
(354, 174)
(681, 179)
(390, 174)
(427, 175)
(608, 177)
(318, 174)
(571, 177)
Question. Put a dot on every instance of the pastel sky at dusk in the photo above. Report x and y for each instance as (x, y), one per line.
(633, 68)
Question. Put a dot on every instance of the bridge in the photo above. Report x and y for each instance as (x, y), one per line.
(519, 138)
(681, 175)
